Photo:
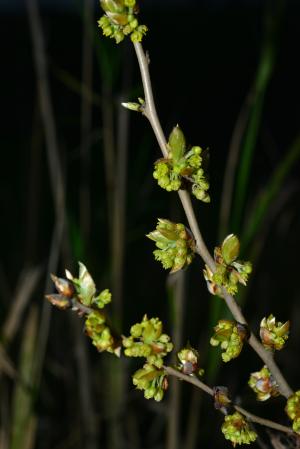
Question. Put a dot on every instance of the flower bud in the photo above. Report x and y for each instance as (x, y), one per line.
(274, 334)
(263, 384)
(189, 360)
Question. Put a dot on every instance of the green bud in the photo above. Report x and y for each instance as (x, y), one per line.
(132, 106)
(177, 143)
(113, 6)
(230, 249)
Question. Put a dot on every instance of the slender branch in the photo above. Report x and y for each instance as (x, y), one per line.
(151, 114)
(254, 418)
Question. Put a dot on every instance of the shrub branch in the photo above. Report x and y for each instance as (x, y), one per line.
(149, 110)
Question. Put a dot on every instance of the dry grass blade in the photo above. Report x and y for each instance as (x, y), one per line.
(27, 283)
(23, 425)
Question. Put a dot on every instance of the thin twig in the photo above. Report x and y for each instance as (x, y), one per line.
(201, 249)
(254, 418)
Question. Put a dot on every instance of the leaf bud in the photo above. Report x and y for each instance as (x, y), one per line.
(230, 249)
(176, 143)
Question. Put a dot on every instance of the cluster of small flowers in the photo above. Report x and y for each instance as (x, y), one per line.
(274, 334)
(148, 340)
(120, 20)
(152, 381)
(182, 167)
(229, 271)
(237, 430)
(175, 245)
(230, 335)
(293, 410)
(100, 334)
(263, 384)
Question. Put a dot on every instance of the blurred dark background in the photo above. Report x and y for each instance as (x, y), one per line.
(77, 184)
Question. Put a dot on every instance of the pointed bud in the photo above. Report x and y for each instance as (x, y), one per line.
(177, 143)
(63, 286)
(59, 301)
(132, 106)
(230, 249)
(113, 6)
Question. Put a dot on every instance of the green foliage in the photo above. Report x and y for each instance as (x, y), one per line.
(237, 430)
(148, 340)
(293, 410)
(120, 20)
(230, 336)
(182, 167)
(274, 334)
(229, 271)
(175, 245)
(263, 384)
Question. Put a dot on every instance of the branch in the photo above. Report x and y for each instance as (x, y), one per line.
(151, 114)
(199, 384)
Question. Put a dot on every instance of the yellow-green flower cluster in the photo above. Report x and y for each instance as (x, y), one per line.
(274, 334)
(263, 384)
(148, 340)
(175, 245)
(100, 334)
(229, 271)
(182, 167)
(293, 410)
(237, 430)
(152, 380)
(230, 335)
(120, 20)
